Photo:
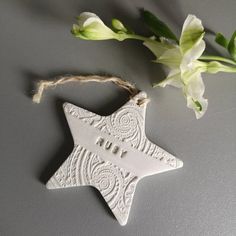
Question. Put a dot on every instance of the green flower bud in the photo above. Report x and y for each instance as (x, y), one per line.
(117, 25)
(214, 67)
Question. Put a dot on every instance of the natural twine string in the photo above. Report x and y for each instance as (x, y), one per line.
(45, 84)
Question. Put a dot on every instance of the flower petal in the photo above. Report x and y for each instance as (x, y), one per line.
(192, 33)
(173, 79)
(158, 48)
(86, 18)
(194, 91)
(98, 31)
(192, 55)
(171, 58)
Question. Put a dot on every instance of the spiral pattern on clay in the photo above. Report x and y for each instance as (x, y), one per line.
(109, 181)
(125, 124)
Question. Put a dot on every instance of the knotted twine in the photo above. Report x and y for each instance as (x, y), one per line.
(45, 84)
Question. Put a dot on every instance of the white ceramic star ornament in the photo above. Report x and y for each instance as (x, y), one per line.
(111, 153)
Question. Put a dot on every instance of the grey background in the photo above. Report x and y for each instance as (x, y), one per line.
(35, 43)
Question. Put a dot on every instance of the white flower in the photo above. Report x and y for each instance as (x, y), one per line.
(185, 68)
(91, 27)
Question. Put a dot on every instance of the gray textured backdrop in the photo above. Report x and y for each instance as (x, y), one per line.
(35, 42)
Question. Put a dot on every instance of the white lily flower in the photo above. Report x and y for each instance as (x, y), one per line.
(185, 69)
(91, 27)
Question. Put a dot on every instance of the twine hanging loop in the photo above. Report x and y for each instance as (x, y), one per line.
(45, 84)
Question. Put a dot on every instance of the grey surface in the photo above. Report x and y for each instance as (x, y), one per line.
(35, 42)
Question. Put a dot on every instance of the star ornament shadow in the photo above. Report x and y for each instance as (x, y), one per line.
(111, 153)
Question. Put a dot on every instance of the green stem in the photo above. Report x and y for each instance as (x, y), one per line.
(217, 58)
(138, 37)
(229, 69)
(214, 67)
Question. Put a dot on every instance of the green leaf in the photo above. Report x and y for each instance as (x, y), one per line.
(158, 27)
(221, 40)
(232, 46)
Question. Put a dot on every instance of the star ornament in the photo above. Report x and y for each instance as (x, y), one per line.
(111, 153)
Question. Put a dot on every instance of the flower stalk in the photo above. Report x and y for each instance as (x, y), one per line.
(217, 58)
(183, 56)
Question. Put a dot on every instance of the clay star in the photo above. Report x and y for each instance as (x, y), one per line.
(111, 153)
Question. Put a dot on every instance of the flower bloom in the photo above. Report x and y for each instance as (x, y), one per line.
(185, 68)
(91, 27)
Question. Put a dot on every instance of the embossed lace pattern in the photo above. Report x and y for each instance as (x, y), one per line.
(126, 124)
(116, 185)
